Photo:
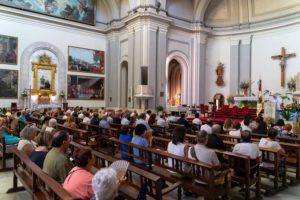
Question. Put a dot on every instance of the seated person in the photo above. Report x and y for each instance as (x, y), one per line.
(214, 142)
(183, 121)
(152, 119)
(125, 137)
(103, 122)
(247, 148)
(197, 120)
(22, 120)
(7, 133)
(201, 153)
(70, 122)
(105, 184)
(206, 127)
(125, 120)
(57, 164)
(44, 141)
(139, 139)
(270, 142)
(86, 119)
(287, 131)
(236, 129)
(162, 122)
(142, 120)
(95, 119)
(177, 146)
(27, 143)
(228, 125)
(79, 180)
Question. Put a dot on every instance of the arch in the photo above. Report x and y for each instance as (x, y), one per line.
(123, 84)
(200, 9)
(26, 65)
(184, 66)
(221, 100)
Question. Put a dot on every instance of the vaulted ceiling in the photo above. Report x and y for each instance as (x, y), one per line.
(216, 13)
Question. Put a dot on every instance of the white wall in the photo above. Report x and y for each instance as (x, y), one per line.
(30, 31)
(217, 50)
(269, 44)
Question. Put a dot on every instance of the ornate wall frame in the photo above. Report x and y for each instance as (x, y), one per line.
(43, 64)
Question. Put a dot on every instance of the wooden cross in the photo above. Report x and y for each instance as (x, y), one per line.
(283, 57)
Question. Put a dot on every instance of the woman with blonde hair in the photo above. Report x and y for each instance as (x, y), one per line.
(70, 122)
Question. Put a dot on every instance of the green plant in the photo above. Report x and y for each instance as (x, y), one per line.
(159, 108)
(286, 114)
(62, 94)
(24, 93)
(3, 110)
(230, 99)
(244, 85)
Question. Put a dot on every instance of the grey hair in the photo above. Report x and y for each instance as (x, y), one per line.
(105, 184)
(28, 131)
(216, 128)
(52, 123)
(201, 137)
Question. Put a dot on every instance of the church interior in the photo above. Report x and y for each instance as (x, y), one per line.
(149, 99)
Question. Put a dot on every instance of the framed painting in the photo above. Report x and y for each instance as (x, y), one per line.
(8, 84)
(8, 50)
(85, 87)
(82, 11)
(86, 60)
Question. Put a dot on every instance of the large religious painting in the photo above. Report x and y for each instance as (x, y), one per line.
(8, 50)
(82, 11)
(85, 88)
(8, 83)
(86, 60)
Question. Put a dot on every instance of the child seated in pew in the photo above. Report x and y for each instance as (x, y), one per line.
(79, 180)
(125, 137)
(139, 139)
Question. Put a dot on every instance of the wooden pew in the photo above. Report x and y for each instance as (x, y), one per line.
(235, 162)
(38, 184)
(6, 152)
(79, 135)
(136, 177)
(273, 163)
(203, 180)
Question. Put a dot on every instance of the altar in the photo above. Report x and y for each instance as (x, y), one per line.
(250, 101)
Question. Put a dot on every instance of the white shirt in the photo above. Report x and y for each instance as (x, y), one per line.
(161, 122)
(197, 121)
(264, 142)
(172, 119)
(86, 120)
(177, 150)
(81, 116)
(247, 149)
(24, 142)
(125, 121)
(206, 128)
(236, 133)
(141, 121)
(246, 128)
(205, 155)
(110, 120)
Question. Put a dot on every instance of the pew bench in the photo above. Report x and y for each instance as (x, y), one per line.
(202, 178)
(5, 152)
(136, 177)
(38, 184)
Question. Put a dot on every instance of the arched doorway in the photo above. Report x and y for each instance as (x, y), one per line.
(174, 83)
(219, 100)
(124, 84)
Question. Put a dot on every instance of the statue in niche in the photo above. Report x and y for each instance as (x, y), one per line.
(220, 72)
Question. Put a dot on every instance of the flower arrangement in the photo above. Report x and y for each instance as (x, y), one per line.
(230, 99)
(291, 84)
(62, 94)
(244, 85)
(24, 94)
(159, 108)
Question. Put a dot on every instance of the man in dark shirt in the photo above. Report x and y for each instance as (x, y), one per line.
(214, 141)
(183, 121)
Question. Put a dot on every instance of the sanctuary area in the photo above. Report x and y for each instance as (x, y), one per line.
(150, 99)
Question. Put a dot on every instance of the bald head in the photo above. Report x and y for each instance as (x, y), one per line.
(216, 128)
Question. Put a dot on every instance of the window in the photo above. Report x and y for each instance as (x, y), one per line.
(144, 75)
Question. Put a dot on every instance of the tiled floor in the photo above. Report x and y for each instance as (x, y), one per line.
(291, 193)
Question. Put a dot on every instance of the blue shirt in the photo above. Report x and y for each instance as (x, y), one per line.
(38, 158)
(104, 124)
(139, 141)
(141, 121)
(27, 116)
(125, 138)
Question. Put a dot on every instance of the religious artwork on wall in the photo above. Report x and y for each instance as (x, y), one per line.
(283, 57)
(85, 88)
(86, 60)
(220, 72)
(8, 50)
(82, 11)
(8, 83)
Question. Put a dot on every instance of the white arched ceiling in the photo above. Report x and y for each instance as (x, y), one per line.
(180, 9)
(124, 8)
(200, 7)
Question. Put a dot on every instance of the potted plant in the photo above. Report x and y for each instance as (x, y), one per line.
(62, 94)
(286, 114)
(3, 110)
(24, 94)
(159, 109)
(244, 85)
(230, 100)
(291, 84)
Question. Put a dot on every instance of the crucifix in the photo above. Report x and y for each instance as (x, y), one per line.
(283, 57)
